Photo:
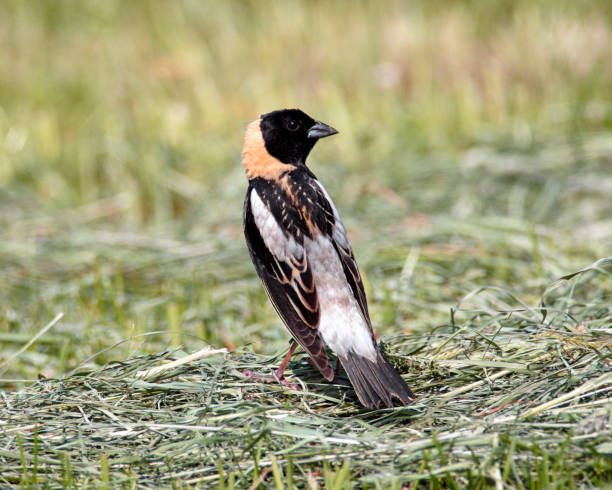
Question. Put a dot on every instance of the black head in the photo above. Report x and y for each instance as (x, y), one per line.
(290, 134)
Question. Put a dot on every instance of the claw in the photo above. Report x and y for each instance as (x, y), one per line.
(270, 379)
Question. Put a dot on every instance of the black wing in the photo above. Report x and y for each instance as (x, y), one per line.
(288, 281)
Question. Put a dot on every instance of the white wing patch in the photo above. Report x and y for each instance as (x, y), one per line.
(281, 246)
(341, 325)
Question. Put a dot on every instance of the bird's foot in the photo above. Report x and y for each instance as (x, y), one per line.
(270, 379)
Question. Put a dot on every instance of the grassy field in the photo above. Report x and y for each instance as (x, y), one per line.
(473, 169)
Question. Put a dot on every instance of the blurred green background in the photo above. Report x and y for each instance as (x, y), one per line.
(475, 149)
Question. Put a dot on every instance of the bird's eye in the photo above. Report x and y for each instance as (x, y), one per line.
(292, 125)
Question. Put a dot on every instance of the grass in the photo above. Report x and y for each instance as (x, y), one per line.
(505, 398)
(472, 170)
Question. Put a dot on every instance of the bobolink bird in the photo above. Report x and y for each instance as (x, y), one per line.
(300, 250)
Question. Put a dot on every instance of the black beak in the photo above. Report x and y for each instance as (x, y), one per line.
(321, 130)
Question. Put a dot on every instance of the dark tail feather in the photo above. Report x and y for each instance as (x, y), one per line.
(375, 382)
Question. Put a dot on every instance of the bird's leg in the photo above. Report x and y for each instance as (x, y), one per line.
(281, 369)
(279, 374)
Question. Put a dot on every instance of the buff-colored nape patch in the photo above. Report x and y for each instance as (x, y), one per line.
(256, 160)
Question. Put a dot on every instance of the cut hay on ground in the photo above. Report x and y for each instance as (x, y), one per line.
(506, 397)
